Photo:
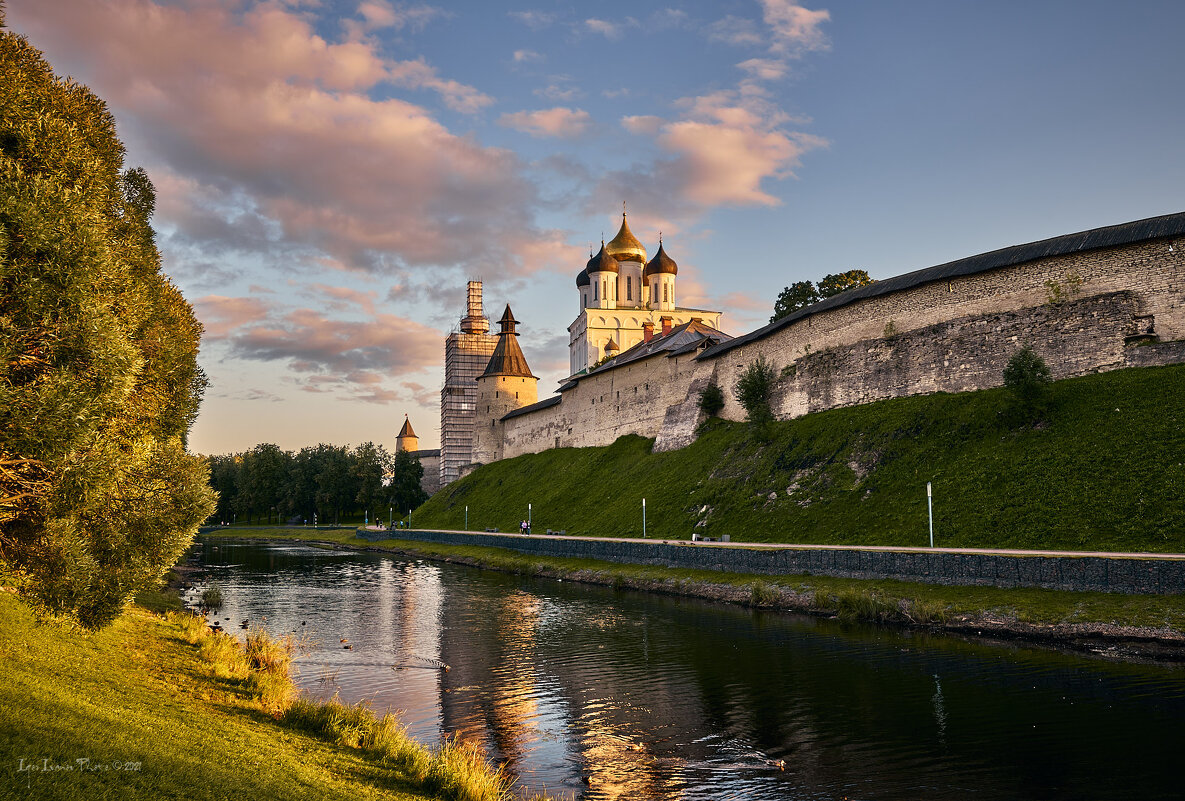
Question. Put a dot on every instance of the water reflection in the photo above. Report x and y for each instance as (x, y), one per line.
(615, 695)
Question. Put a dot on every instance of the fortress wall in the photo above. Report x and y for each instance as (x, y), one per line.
(1148, 269)
(630, 400)
(950, 336)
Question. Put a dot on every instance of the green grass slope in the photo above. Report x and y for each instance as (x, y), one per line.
(1103, 469)
(132, 712)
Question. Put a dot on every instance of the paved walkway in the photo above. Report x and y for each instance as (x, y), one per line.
(791, 546)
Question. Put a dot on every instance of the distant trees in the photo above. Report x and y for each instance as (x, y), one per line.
(803, 293)
(99, 382)
(266, 484)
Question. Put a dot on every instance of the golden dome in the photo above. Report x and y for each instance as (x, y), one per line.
(625, 246)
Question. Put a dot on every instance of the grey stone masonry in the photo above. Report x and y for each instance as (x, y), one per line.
(1145, 575)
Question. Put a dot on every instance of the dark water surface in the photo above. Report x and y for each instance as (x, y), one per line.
(603, 694)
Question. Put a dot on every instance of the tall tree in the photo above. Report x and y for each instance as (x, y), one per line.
(793, 298)
(841, 282)
(405, 491)
(99, 381)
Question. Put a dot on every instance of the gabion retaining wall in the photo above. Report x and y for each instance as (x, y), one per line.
(1134, 575)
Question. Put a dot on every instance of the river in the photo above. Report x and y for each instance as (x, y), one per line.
(595, 693)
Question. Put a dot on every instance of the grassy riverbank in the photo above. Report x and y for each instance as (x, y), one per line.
(1104, 470)
(159, 707)
(1137, 624)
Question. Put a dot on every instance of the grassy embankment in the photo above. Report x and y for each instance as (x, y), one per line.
(1104, 470)
(160, 707)
(851, 599)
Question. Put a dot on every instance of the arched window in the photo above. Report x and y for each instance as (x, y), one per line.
(629, 287)
(666, 293)
(595, 291)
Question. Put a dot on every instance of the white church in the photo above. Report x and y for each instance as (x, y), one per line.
(626, 299)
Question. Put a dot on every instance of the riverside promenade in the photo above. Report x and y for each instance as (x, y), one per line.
(1133, 573)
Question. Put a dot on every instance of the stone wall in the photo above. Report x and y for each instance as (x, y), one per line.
(1083, 312)
(1134, 575)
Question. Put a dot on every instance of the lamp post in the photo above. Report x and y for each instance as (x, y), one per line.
(930, 510)
(528, 518)
(466, 518)
(409, 518)
(390, 517)
(643, 518)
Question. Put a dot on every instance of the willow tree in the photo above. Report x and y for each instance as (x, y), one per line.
(99, 381)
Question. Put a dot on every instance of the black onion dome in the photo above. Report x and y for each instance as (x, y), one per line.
(582, 279)
(661, 263)
(602, 263)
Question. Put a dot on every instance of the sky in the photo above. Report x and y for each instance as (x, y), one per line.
(330, 174)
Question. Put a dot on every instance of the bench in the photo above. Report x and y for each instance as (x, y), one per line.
(492, 530)
(561, 532)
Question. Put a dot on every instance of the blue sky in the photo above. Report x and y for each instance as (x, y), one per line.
(331, 173)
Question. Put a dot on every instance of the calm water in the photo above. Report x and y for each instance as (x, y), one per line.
(602, 694)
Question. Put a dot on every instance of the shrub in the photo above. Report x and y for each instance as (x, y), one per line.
(1028, 378)
(762, 594)
(711, 400)
(212, 597)
(753, 392)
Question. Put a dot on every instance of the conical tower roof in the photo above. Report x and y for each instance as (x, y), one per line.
(625, 246)
(407, 431)
(508, 358)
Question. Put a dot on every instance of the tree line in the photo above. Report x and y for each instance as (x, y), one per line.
(332, 482)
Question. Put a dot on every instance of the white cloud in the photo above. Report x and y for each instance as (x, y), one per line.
(607, 29)
(795, 30)
(735, 31)
(522, 56)
(765, 69)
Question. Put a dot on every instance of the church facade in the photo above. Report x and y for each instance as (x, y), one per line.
(624, 299)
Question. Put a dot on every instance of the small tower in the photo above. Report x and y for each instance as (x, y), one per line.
(660, 280)
(507, 384)
(407, 439)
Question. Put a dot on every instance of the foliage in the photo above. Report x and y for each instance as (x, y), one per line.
(794, 297)
(99, 381)
(711, 400)
(753, 391)
(1028, 378)
(842, 282)
(1061, 291)
(405, 491)
(329, 481)
(1091, 479)
(803, 293)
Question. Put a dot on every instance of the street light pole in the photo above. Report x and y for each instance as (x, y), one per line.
(528, 518)
(643, 518)
(466, 518)
(930, 510)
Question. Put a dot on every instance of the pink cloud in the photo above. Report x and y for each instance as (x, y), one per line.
(313, 343)
(260, 131)
(723, 149)
(220, 315)
(561, 122)
(344, 298)
(764, 69)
